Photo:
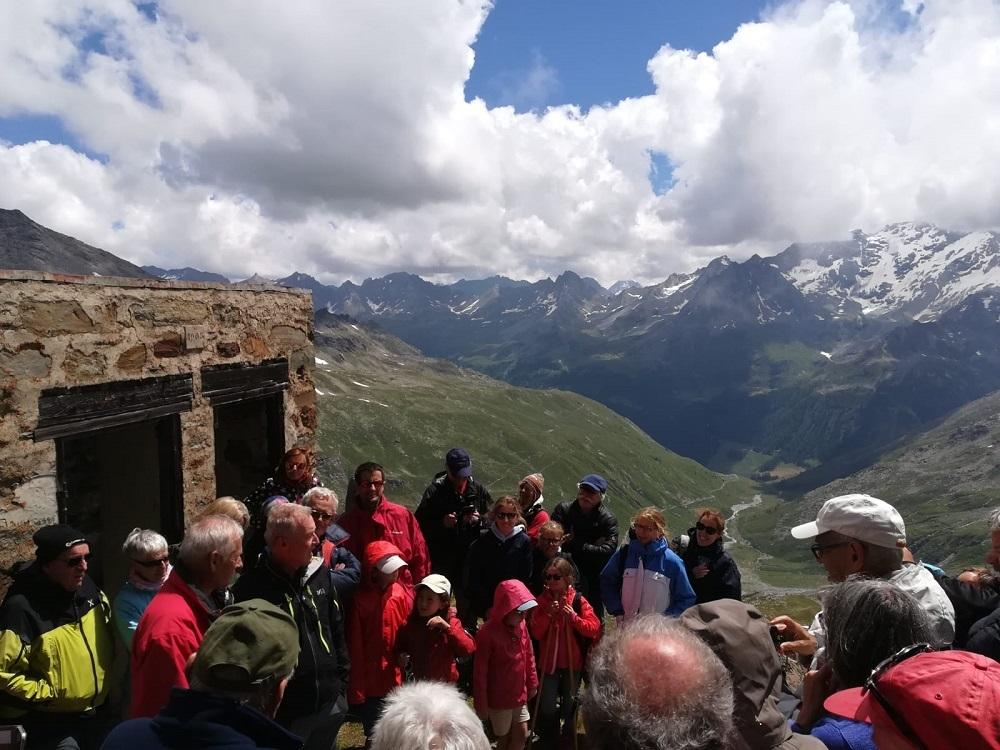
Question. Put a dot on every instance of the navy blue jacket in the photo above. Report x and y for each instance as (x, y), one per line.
(195, 719)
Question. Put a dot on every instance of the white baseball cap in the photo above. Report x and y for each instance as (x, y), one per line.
(437, 583)
(390, 564)
(860, 517)
(530, 604)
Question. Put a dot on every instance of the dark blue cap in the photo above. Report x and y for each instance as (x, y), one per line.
(595, 482)
(459, 462)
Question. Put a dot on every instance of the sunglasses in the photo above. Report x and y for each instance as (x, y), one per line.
(553, 577)
(507, 516)
(317, 515)
(371, 483)
(152, 563)
(707, 529)
(819, 549)
(871, 686)
(76, 562)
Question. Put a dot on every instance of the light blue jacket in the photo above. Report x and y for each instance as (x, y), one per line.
(127, 608)
(653, 580)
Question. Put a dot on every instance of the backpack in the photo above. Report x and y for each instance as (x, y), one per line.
(584, 644)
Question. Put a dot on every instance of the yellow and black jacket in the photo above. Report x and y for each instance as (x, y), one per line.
(56, 647)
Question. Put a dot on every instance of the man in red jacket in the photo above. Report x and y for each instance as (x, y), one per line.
(174, 623)
(373, 518)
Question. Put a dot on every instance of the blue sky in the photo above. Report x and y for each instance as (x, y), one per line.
(538, 53)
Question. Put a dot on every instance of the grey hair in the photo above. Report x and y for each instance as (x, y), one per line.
(282, 520)
(995, 520)
(207, 535)
(428, 716)
(321, 492)
(697, 712)
(868, 620)
(143, 543)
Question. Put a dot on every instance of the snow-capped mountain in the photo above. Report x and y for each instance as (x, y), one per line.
(909, 270)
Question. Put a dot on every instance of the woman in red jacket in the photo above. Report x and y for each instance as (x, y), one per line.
(564, 624)
(381, 605)
(433, 638)
(504, 677)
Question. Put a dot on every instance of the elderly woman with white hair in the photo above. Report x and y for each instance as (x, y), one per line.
(148, 569)
(428, 716)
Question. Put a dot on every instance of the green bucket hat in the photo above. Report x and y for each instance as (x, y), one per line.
(250, 643)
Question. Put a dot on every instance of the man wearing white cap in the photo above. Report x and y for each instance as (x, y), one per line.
(860, 534)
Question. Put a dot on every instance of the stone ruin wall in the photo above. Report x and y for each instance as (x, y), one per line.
(58, 331)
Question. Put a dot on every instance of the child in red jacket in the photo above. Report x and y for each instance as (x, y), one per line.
(504, 677)
(433, 637)
(381, 605)
(564, 626)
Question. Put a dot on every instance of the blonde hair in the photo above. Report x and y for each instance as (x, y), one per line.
(229, 507)
(653, 516)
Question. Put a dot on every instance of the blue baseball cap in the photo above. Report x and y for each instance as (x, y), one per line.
(459, 462)
(595, 482)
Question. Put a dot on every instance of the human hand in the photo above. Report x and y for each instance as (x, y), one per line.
(795, 639)
(449, 521)
(472, 518)
(339, 566)
(437, 623)
(817, 686)
(568, 611)
(699, 571)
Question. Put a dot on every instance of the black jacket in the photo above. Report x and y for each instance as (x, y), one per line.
(193, 718)
(595, 536)
(984, 636)
(492, 560)
(321, 674)
(447, 547)
(723, 578)
(971, 603)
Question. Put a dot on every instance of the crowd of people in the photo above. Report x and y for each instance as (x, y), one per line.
(279, 618)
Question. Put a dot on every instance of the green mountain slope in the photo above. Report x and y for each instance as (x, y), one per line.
(380, 399)
(943, 481)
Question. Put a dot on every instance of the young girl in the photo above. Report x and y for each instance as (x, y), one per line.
(563, 624)
(433, 637)
(380, 608)
(645, 575)
(504, 677)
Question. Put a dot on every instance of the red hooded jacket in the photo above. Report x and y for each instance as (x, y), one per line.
(504, 674)
(376, 617)
(432, 651)
(389, 523)
(559, 635)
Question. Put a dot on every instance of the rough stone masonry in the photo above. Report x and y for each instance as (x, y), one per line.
(63, 331)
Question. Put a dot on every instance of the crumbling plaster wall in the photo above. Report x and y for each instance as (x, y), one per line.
(58, 331)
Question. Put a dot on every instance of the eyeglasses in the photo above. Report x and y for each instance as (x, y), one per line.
(506, 516)
(319, 516)
(76, 562)
(707, 529)
(819, 550)
(553, 577)
(871, 686)
(152, 563)
(550, 540)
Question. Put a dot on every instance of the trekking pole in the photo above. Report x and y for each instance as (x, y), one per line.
(572, 690)
(541, 671)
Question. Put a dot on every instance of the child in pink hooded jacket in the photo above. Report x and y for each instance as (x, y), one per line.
(504, 676)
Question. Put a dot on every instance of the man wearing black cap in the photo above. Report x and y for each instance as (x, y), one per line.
(451, 515)
(56, 646)
(238, 679)
(591, 532)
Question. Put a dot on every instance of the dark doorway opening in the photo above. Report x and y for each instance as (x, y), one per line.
(249, 443)
(114, 480)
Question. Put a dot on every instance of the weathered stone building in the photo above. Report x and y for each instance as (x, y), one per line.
(126, 402)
